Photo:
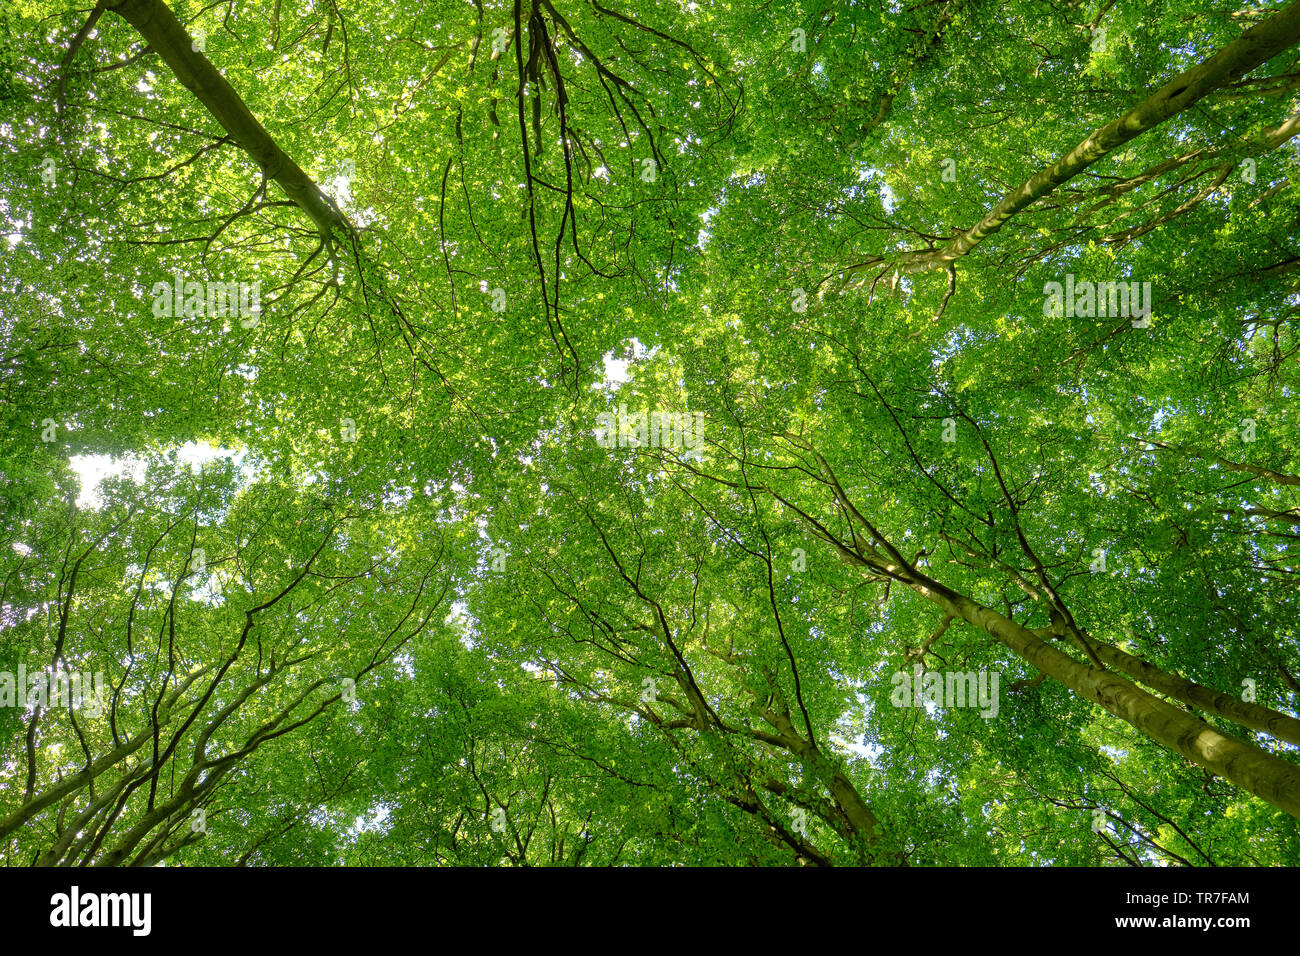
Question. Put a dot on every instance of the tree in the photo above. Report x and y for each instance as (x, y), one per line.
(562, 433)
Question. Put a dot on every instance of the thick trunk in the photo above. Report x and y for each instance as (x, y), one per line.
(1245, 765)
(1254, 716)
(863, 820)
(155, 21)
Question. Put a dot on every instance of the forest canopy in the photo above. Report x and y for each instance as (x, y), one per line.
(579, 432)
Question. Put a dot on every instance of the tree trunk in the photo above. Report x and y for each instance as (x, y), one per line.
(155, 21)
(1254, 47)
(1254, 716)
(1245, 765)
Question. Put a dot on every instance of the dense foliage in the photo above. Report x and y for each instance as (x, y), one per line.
(365, 301)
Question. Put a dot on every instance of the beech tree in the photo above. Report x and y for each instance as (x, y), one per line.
(548, 433)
